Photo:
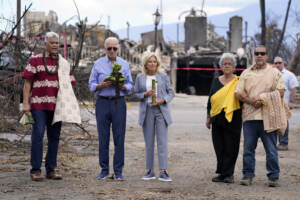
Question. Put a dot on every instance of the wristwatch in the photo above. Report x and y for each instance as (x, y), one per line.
(292, 101)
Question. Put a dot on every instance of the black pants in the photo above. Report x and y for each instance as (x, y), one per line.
(226, 140)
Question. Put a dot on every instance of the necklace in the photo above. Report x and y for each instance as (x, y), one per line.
(46, 67)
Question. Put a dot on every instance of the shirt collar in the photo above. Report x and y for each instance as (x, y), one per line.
(254, 67)
(108, 61)
(283, 70)
(48, 55)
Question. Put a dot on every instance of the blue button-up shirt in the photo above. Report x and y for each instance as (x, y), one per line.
(102, 69)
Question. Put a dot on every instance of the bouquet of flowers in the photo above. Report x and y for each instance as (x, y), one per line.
(116, 76)
(154, 89)
(26, 119)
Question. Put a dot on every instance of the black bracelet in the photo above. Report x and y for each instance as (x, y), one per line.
(292, 101)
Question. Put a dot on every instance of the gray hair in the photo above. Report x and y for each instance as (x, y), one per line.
(110, 39)
(51, 35)
(227, 56)
(146, 56)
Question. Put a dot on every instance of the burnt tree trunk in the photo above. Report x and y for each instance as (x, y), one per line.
(295, 61)
(81, 32)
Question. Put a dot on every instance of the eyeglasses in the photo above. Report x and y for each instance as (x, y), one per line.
(278, 63)
(260, 53)
(227, 63)
(112, 48)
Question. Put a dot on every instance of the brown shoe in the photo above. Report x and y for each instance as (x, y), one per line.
(273, 182)
(37, 176)
(54, 176)
(282, 147)
(246, 181)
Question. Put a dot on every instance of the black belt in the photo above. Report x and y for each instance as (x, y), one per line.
(110, 98)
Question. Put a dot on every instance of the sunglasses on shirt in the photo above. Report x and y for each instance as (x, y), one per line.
(260, 53)
(112, 48)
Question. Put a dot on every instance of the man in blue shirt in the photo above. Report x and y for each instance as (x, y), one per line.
(291, 85)
(110, 107)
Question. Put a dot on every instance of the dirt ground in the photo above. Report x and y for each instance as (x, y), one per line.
(192, 164)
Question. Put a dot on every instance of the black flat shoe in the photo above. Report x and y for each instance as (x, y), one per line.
(219, 178)
(229, 179)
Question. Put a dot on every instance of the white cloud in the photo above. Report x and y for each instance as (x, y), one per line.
(137, 12)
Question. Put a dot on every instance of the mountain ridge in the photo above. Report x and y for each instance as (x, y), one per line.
(251, 14)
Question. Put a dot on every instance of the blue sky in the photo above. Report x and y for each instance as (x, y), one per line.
(136, 12)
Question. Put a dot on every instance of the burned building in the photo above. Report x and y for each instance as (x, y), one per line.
(95, 35)
(37, 23)
(192, 71)
(148, 38)
(195, 31)
(235, 33)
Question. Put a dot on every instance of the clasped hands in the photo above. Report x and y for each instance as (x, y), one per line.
(255, 102)
(151, 93)
(107, 84)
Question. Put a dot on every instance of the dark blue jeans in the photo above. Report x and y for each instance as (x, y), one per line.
(252, 131)
(43, 119)
(284, 140)
(111, 113)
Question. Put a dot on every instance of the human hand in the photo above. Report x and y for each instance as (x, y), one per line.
(122, 86)
(159, 102)
(149, 93)
(207, 123)
(26, 108)
(257, 103)
(106, 84)
(291, 105)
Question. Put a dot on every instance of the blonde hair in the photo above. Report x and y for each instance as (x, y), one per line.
(147, 55)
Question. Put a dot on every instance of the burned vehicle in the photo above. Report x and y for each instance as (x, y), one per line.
(194, 73)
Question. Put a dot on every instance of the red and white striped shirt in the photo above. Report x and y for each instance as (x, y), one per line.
(44, 86)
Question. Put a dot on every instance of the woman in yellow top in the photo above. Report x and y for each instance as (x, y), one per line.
(224, 115)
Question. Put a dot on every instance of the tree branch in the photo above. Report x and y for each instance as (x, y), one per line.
(283, 29)
(5, 42)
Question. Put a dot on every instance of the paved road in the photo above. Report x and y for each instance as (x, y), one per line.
(189, 115)
(191, 159)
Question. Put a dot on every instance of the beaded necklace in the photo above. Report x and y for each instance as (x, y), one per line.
(45, 64)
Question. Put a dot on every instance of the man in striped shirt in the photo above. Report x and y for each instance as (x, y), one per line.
(40, 93)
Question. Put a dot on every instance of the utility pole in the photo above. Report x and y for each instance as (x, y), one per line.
(18, 18)
(156, 18)
(178, 33)
(246, 32)
(108, 22)
(161, 18)
(107, 27)
(128, 25)
(263, 22)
